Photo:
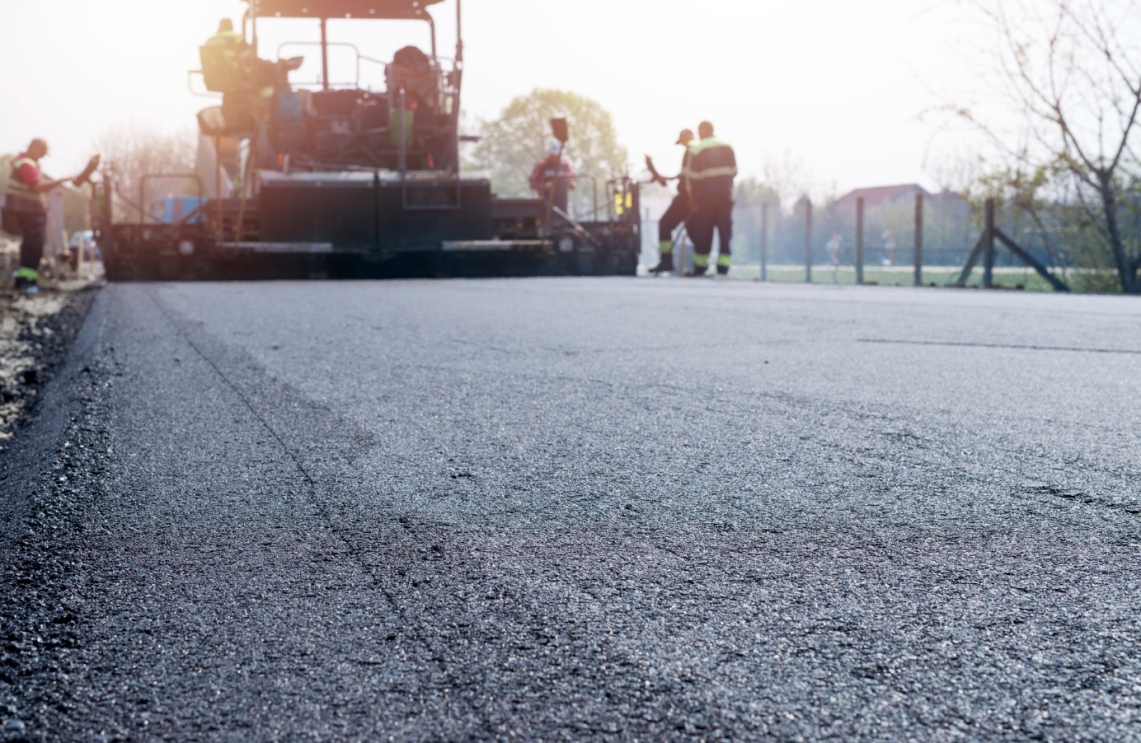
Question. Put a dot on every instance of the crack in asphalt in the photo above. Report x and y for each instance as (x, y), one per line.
(1014, 346)
(435, 654)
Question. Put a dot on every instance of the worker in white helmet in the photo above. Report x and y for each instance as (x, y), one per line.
(553, 177)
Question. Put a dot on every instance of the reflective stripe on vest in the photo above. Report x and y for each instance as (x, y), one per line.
(724, 170)
(697, 146)
(19, 189)
(710, 158)
(224, 38)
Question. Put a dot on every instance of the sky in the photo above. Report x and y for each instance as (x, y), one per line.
(841, 86)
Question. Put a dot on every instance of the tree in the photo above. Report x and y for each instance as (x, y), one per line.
(1072, 69)
(132, 152)
(511, 145)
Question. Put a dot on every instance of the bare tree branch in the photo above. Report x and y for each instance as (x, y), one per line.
(1076, 84)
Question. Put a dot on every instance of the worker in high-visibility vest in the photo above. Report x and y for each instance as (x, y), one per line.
(25, 200)
(227, 37)
(712, 166)
(678, 210)
(226, 59)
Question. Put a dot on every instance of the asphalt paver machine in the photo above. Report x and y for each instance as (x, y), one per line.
(342, 180)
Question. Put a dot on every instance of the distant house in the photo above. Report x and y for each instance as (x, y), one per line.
(948, 229)
(881, 196)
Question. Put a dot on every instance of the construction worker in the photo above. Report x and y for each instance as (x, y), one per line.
(712, 166)
(26, 198)
(678, 210)
(553, 177)
(227, 60)
(248, 83)
(226, 36)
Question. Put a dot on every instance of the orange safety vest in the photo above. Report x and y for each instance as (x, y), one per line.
(19, 195)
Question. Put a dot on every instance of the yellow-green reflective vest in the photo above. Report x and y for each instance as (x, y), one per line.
(226, 38)
(711, 168)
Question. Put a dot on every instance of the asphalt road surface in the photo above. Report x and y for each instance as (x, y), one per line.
(580, 510)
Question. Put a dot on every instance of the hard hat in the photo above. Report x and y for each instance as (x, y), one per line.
(685, 137)
(554, 147)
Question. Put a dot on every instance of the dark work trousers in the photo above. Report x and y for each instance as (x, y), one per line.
(674, 216)
(711, 213)
(33, 225)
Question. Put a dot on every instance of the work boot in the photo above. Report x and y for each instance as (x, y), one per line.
(665, 264)
(28, 286)
(696, 273)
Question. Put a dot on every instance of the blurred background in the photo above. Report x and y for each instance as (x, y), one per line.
(823, 100)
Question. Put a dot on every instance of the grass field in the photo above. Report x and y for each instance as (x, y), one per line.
(1006, 277)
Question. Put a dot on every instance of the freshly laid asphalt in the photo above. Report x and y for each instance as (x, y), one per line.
(579, 509)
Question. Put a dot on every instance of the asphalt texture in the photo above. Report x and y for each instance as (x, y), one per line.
(596, 509)
(35, 335)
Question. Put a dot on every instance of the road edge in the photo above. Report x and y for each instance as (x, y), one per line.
(27, 458)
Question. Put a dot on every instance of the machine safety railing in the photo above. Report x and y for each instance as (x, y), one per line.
(190, 86)
(325, 83)
(446, 90)
(402, 162)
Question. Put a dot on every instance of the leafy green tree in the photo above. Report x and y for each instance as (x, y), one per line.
(511, 144)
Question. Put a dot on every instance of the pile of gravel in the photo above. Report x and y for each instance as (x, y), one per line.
(35, 331)
(9, 260)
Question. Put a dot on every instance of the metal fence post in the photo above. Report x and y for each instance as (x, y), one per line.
(808, 239)
(988, 245)
(859, 240)
(764, 241)
(919, 239)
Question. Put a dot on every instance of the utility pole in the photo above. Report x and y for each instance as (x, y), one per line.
(988, 245)
(764, 241)
(808, 239)
(859, 240)
(919, 239)
(324, 57)
(217, 184)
